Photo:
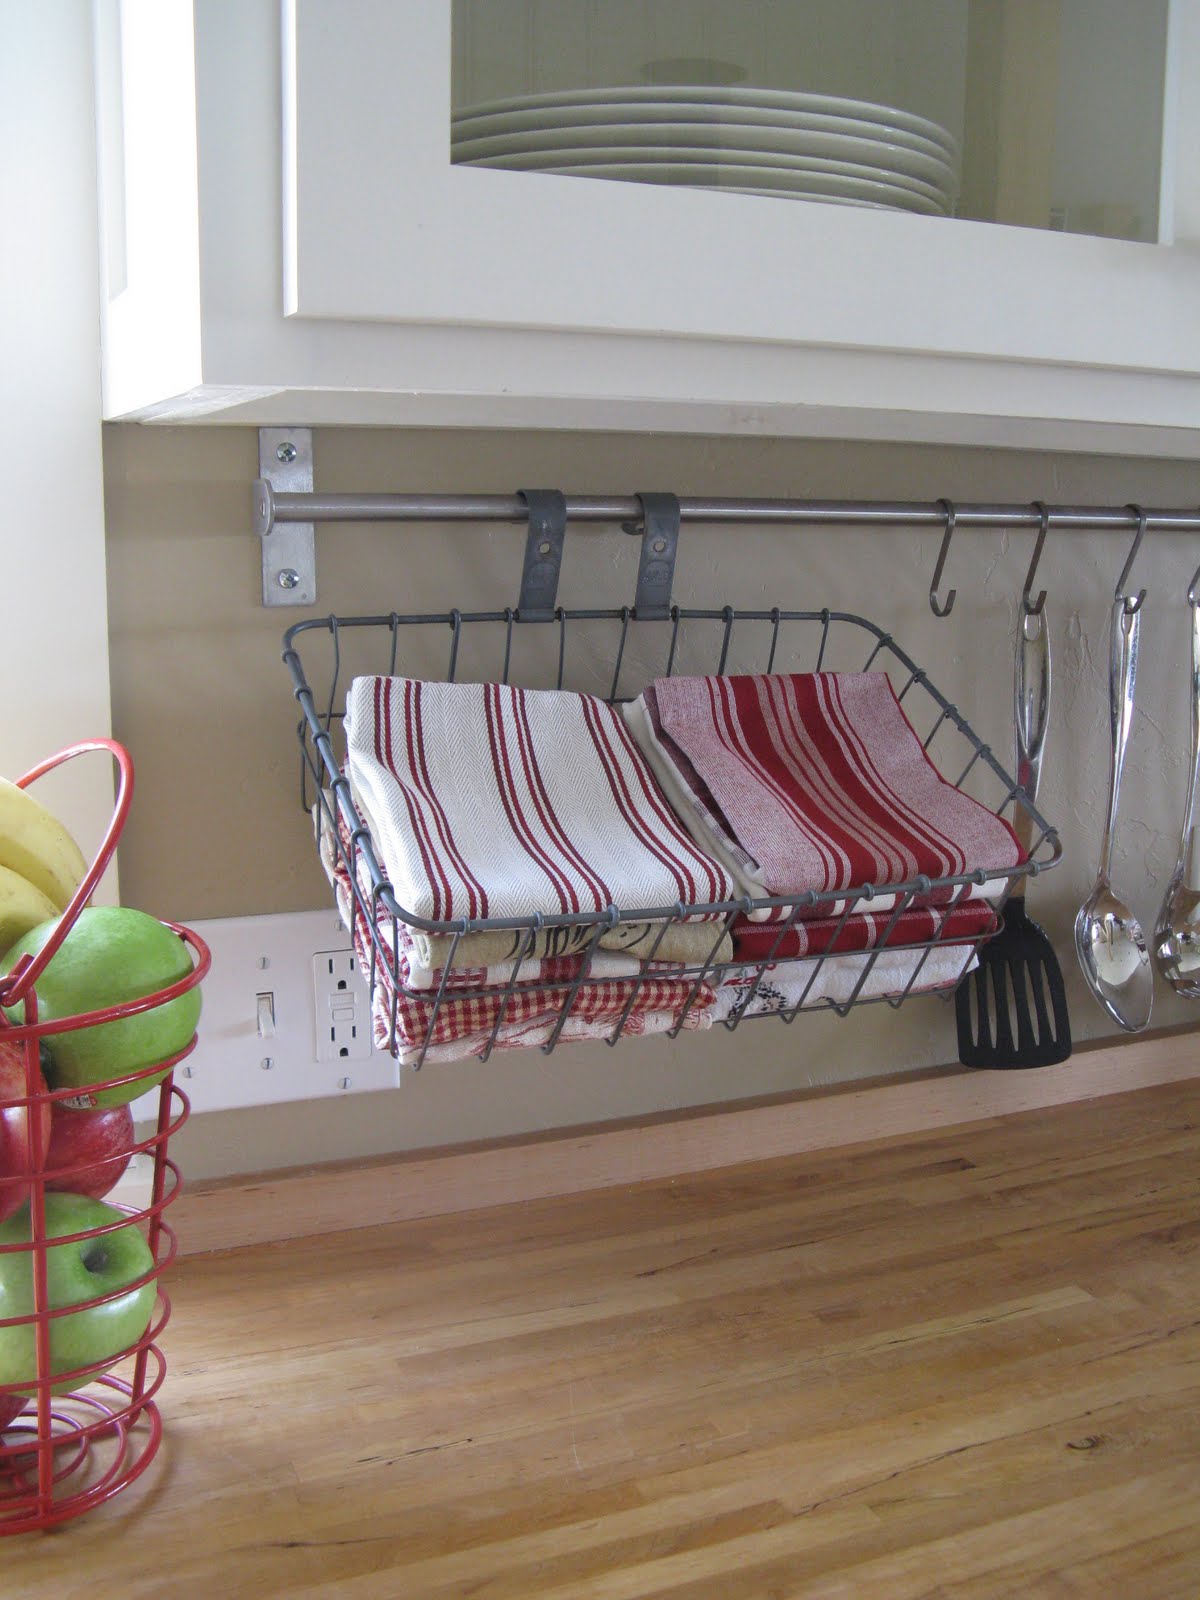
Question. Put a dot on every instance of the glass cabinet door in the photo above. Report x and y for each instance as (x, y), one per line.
(1037, 113)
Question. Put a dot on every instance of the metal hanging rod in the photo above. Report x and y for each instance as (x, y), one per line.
(272, 507)
(286, 508)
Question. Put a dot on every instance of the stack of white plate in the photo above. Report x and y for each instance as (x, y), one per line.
(753, 141)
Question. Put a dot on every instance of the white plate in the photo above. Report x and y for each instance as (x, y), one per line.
(840, 146)
(603, 155)
(782, 100)
(713, 118)
(769, 180)
(708, 121)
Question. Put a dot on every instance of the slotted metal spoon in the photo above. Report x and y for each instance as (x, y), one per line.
(1012, 1009)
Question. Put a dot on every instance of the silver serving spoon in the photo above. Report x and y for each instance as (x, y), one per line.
(1108, 937)
(1177, 931)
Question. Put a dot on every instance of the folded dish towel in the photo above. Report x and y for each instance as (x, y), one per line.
(812, 781)
(491, 801)
(530, 1035)
(462, 1022)
(676, 944)
(765, 941)
(671, 944)
(791, 983)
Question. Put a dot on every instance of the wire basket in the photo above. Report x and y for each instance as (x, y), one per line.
(72, 1435)
(613, 653)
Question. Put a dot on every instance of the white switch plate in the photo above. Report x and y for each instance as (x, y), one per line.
(271, 955)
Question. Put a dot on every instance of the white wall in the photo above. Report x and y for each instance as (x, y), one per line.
(54, 638)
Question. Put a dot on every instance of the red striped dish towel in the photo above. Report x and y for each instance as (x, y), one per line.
(490, 801)
(812, 781)
(763, 941)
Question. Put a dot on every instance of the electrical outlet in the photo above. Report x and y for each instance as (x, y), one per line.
(342, 1007)
(259, 1040)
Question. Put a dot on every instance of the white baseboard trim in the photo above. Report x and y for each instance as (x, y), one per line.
(299, 1202)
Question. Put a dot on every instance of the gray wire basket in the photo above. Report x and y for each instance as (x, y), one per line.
(614, 653)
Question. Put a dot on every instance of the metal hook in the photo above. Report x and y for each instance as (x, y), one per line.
(1119, 592)
(934, 605)
(1034, 608)
(1193, 597)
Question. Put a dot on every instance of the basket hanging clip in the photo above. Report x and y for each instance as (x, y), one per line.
(543, 553)
(659, 528)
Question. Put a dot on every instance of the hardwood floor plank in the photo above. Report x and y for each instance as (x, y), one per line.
(965, 1365)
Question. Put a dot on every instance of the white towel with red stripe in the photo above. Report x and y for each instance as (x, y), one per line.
(490, 801)
(813, 781)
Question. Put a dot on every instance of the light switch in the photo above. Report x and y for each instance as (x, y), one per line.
(266, 1016)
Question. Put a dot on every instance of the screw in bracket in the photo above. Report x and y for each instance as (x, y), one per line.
(286, 451)
(345, 1083)
(288, 578)
(267, 1063)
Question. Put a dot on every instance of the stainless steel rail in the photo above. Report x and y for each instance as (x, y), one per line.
(272, 507)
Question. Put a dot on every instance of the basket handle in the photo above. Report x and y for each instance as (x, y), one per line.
(17, 984)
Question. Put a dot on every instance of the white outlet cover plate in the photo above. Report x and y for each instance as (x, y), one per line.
(225, 1071)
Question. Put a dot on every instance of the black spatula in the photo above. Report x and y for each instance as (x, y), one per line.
(1012, 1009)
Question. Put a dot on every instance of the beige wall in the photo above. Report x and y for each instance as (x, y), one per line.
(202, 700)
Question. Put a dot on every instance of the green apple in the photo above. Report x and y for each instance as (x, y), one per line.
(112, 954)
(77, 1272)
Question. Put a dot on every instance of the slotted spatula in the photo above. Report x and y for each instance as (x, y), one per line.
(1012, 1009)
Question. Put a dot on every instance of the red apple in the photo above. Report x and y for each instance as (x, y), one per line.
(11, 1407)
(16, 1143)
(89, 1150)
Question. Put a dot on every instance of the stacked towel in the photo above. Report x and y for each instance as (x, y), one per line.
(436, 1014)
(967, 922)
(813, 782)
(486, 801)
(489, 801)
(783, 986)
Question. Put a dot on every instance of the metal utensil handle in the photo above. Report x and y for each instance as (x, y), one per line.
(1031, 704)
(1185, 871)
(1122, 674)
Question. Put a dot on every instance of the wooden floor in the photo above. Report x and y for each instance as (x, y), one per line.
(964, 1365)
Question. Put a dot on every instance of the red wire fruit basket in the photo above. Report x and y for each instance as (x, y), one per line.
(73, 1437)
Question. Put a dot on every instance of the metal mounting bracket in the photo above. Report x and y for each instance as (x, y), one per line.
(289, 567)
(543, 553)
(656, 564)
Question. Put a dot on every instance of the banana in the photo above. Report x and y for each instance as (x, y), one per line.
(22, 906)
(37, 847)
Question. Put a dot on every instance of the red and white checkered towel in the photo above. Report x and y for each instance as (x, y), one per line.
(812, 781)
(489, 801)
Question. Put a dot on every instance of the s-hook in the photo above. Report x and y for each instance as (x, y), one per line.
(935, 605)
(1119, 592)
(1035, 608)
(1193, 587)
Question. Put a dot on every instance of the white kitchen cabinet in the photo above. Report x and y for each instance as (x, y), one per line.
(288, 241)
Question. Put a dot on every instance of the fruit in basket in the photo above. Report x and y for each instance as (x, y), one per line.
(11, 1407)
(22, 906)
(89, 1149)
(110, 955)
(15, 1126)
(35, 844)
(77, 1272)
